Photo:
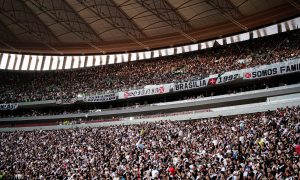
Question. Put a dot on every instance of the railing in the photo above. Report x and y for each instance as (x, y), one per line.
(175, 107)
(189, 115)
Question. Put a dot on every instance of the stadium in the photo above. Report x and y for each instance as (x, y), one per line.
(150, 89)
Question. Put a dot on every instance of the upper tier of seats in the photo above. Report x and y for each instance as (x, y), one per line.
(34, 86)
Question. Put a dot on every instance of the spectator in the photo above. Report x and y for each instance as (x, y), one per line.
(67, 84)
(203, 149)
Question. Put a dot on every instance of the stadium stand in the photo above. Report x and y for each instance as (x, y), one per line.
(149, 90)
(66, 84)
(29, 112)
(248, 146)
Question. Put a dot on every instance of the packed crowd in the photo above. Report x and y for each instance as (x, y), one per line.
(66, 84)
(64, 110)
(257, 146)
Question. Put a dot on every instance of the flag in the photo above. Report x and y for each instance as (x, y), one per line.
(142, 132)
(212, 81)
(219, 76)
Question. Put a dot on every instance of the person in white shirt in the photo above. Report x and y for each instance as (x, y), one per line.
(154, 173)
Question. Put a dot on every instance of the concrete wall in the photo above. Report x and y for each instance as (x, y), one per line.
(215, 112)
(223, 100)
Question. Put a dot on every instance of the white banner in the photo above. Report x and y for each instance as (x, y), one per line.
(289, 66)
(211, 80)
(150, 90)
(10, 106)
(273, 69)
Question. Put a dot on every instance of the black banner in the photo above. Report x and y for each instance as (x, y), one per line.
(101, 98)
(10, 106)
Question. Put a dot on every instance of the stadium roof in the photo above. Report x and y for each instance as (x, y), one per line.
(106, 26)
